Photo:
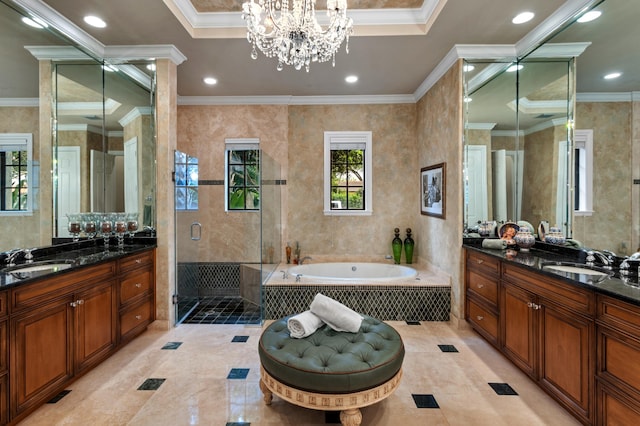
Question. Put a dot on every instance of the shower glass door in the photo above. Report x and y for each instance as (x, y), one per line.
(188, 234)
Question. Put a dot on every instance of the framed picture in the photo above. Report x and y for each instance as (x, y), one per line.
(432, 190)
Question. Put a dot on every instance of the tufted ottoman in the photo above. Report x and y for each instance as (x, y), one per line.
(331, 370)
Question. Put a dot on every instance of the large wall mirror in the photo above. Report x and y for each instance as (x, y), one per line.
(581, 180)
(103, 129)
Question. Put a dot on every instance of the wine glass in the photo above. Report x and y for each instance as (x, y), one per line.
(74, 225)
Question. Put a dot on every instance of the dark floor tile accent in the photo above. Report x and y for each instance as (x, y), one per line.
(413, 322)
(332, 417)
(240, 339)
(425, 401)
(172, 345)
(238, 424)
(503, 389)
(447, 348)
(151, 384)
(224, 310)
(58, 397)
(238, 373)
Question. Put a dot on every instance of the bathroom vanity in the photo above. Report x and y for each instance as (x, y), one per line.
(57, 325)
(576, 335)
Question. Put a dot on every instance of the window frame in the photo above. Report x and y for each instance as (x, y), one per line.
(240, 144)
(583, 140)
(333, 140)
(21, 142)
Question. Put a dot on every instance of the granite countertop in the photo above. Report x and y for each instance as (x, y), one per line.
(77, 254)
(624, 287)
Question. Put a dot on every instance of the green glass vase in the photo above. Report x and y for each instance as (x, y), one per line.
(408, 247)
(396, 245)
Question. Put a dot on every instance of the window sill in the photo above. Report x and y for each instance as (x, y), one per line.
(583, 212)
(347, 212)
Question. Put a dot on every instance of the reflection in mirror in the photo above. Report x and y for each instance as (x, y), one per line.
(517, 142)
(105, 144)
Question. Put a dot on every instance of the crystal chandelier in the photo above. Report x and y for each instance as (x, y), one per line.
(291, 33)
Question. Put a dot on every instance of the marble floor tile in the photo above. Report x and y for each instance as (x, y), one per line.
(196, 391)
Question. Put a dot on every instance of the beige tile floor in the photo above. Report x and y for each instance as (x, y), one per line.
(197, 392)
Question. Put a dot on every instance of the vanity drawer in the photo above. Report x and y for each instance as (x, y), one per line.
(482, 286)
(618, 357)
(134, 285)
(483, 320)
(619, 314)
(137, 260)
(483, 263)
(136, 319)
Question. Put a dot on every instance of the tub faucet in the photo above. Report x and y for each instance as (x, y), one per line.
(301, 261)
(11, 256)
(285, 275)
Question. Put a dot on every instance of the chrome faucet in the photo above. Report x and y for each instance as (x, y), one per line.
(605, 260)
(301, 261)
(11, 256)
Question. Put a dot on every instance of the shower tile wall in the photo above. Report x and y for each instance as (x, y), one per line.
(206, 279)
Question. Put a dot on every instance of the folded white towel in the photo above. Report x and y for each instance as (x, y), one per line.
(303, 324)
(335, 314)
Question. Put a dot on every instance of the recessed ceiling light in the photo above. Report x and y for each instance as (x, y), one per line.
(34, 22)
(468, 67)
(513, 68)
(351, 78)
(590, 16)
(210, 81)
(612, 75)
(94, 21)
(523, 17)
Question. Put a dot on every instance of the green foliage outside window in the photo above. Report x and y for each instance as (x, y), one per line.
(347, 179)
(14, 180)
(244, 180)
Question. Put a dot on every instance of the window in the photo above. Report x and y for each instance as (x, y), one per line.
(347, 173)
(15, 173)
(186, 178)
(243, 175)
(583, 169)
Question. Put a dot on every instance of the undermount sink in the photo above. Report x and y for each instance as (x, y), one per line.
(591, 272)
(26, 269)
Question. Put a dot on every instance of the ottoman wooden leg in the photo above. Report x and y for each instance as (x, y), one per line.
(351, 417)
(268, 395)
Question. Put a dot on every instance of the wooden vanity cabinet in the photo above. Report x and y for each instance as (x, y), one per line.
(136, 301)
(60, 327)
(482, 278)
(618, 367)
(548, 331)
(4, 357)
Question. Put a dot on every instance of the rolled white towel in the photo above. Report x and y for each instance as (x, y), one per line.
(303, 324)
(335, 314)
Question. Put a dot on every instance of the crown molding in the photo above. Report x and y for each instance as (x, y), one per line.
(296, 100)
(606, 97)
(560, 50)
(367, 22)
(149, 51)
(133, 114)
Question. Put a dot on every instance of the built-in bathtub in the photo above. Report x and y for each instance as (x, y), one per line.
(381, 290)
(353, 271)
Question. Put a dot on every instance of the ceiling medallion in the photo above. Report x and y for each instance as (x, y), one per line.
(288, 30)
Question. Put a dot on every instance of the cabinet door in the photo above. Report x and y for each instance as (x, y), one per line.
(568, 354)
(518, 325)
(41, 363)
(95, 310)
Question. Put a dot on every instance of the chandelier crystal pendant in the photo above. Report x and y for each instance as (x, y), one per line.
(288, 30)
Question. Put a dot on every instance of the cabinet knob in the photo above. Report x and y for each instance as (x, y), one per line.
(479, 317)
(138, 317)
(138, 285)
(480, 261)
(533, 305)
(80, 301)
(138, 260)
(480, 285)
(73, 304)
